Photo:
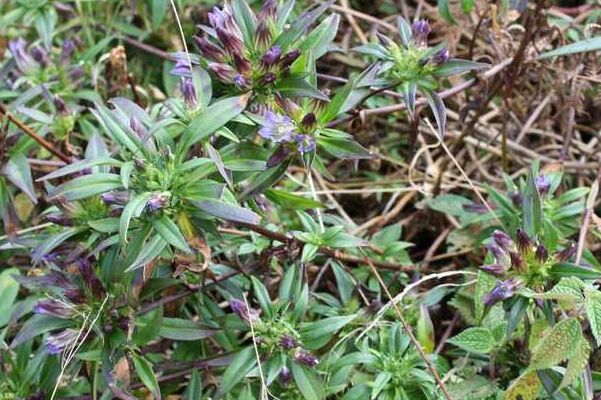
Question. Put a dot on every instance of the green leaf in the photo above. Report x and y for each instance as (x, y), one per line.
(314, 333)
(262, 296)
(344, 148)
(159, 9)
(264, 180)
(242, 363)
(194, 389)
(183, 329)
(86, 186)
(291, 201)
(474, 340)
(576, 364)
(9, 288)
(566, 269)
(37, 325)
(133, 209)
(246, 21)
(557, 345)
(404, 30)
(18, 172)
(586, 45)
(151, 250)
(307, 382)
(146, 374)
(445, 12)
(525, 387)
(532, 209)
(171, 233)
(212, 118)
(439, 110)
(288, 37)
(457, 66)
(79, 166)
(152, 323)
(296, 86)
(320, 38)
(114, 130)
(593, 313)
(229, 212)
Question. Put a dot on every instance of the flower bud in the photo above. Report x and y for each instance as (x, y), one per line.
(442, 56)
(285, 376)
(231, 43)
(67, 50)
(503, 240)
(59, 219)
(57, 342)
(188, 92)
(517, 262)
(24, 61)
(76, 73)
(280, 154)
(181, 68)
(248, 315)
(53, 308)
(60, 105)
(40, 56)
(543, 184)
(271, 56)
(288, 342)
(498, 253)
(289, 58)
(157, 202)
(242, 64)
(566, 253)
(268, 78)
(90, 279)
(541, 253)
(117, 198)
(516, 199)
(209, 49)
(309, 122)
(223, 72)
(241, 82)
(420, 31)
(524, 242)
(136, 125)
(304, 357)
(268, 10)
(502, 291)
(493, 269)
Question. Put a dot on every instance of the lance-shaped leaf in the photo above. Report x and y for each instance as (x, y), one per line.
(147, 376)
(151, 250)
(303, 22)
(296, 86)
(169, 231)
(227, 211)
(18, 172)
(320, 39)
(133, 209)
(344, 148)
(80, 166)
(586, 45)
(438, 109)
(457, 66)
(86, 186)
(212, 118)
(114, 130)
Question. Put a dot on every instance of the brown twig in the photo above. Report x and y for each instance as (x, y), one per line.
(31, 133)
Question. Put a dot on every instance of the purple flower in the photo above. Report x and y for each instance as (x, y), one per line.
(241, 82)
(271, 56)
(247, 315)
(543, 184)
(502, 291)
(516, 199)
(277, 128)
(157, 202)
(304, 357)
(309, 122)
(54, 308)
(76, 72)
(118, 198)
(288, 342)
(442, 56)
(57, 342)
(420, 31)
(18, 49)
(181, 68)
(499, 254)
(188, 92)
(306, 143)
(517, 262)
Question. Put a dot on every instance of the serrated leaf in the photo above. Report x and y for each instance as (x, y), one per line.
(525, 387)
(576, 364)
(593, 313)
(557, 345)
(474, 340)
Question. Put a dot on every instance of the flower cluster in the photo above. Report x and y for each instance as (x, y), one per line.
(523, 262)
